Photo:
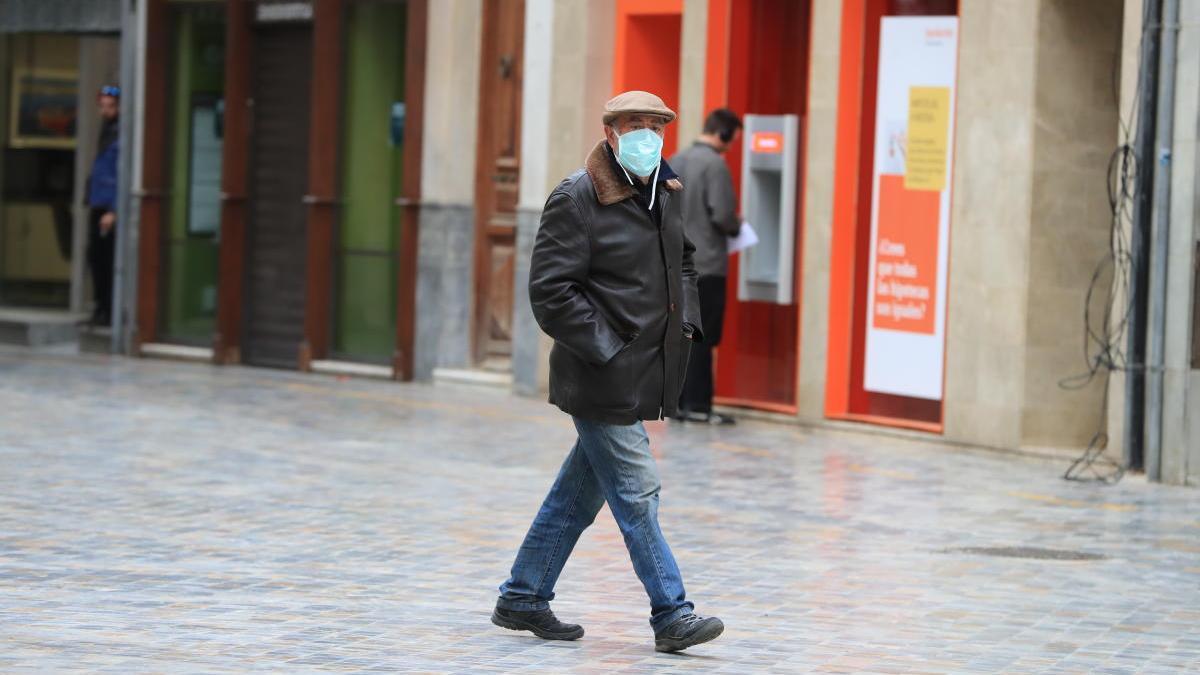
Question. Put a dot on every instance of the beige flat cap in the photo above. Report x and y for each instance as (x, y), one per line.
(636, 103)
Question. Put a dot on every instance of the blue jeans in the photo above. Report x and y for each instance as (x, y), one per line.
(608, 463)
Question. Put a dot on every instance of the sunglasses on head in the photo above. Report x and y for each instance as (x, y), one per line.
(110, 90)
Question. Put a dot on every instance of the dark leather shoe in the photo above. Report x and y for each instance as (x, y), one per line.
(541, 623)
(687, 631)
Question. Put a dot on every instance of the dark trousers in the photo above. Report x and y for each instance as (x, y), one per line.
(101, 249)
(697, 392)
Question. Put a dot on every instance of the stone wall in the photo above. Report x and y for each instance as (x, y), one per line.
(1037, 114)
(1075, 116)
(444, 288)
(989, 231)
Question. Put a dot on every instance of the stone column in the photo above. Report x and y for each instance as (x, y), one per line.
(1075, 115)
(535, 146)
(692, 71)
(989, 231)
(821, 136)
(1036, 118)
(568, 77)
(446, 243)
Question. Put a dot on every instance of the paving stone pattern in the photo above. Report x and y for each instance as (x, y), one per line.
(167, 517)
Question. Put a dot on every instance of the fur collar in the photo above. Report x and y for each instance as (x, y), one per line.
(612, 187)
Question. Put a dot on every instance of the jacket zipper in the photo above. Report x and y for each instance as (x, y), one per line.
(662, 252)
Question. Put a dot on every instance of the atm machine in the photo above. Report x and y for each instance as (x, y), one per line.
(769, 166)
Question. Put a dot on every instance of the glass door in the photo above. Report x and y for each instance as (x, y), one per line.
(195, 145)
(373, 143)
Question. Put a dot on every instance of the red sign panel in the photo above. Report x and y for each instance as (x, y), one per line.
(770, 142)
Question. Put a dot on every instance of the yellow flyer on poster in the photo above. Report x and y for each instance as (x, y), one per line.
(928, 138)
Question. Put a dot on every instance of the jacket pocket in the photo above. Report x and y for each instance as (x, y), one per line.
(611, 386)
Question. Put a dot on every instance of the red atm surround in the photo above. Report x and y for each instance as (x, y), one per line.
(757, 62)
(845, 397)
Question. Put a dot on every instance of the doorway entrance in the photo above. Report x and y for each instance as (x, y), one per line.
(194, 147)
(364, 293)
(51, 130)
(276, 238)
(497, 172)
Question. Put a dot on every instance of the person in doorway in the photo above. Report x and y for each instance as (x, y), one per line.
(102, 203)
(710, 218)
(611, 280)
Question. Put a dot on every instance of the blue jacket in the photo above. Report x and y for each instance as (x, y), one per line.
(102, 184)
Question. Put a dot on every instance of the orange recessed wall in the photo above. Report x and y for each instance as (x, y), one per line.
(648, 40)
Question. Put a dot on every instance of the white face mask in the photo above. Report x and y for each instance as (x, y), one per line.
(639, 151)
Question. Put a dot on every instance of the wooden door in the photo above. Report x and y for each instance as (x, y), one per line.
(496, 176)
(277, 243)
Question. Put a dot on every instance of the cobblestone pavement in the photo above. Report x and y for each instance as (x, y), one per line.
(178, 517)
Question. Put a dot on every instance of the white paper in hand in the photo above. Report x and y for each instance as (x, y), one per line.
(746, 237)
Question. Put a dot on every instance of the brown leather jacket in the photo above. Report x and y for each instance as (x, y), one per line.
(615, 291)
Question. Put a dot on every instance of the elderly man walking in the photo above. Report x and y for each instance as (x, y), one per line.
(612, 281)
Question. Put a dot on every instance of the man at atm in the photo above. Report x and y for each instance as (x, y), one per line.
(709, 218)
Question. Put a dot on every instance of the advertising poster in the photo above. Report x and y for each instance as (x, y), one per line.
(910, 206)
(43, 110)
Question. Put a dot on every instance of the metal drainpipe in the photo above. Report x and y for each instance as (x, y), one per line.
(1139, 240)
(1161, 234)
(125, 263)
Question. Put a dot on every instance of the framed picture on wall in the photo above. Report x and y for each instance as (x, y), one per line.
(44, 108)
